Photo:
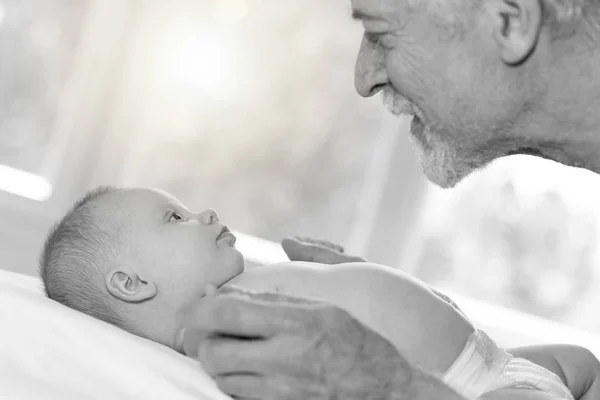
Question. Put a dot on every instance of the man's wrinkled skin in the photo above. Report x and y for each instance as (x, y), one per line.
(321, 351)
(486, 80)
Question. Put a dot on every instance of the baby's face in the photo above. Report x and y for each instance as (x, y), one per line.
(179, 251)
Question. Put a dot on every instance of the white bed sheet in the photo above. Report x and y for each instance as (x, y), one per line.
(48, 351)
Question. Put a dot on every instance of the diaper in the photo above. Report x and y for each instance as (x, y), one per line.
(483, 367)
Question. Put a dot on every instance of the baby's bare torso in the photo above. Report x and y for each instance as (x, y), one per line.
(426, 330)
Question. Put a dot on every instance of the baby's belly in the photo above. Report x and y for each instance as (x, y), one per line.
(426, 330)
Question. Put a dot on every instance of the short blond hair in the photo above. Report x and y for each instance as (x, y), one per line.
(71, 261)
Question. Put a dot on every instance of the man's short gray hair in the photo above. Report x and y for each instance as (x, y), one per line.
(74, 258)
(565, 17)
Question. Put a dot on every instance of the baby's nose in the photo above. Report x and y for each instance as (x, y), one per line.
(208, 216)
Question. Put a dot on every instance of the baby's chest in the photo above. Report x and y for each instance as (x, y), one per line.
(325, 283)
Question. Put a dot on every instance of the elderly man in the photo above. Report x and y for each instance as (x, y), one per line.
(483, 79)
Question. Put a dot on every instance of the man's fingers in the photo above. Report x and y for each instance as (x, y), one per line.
(304, 239)
(330, 245)
(189, 341)
(236, 290)
(277, 386)
(222, 355)
(264, 296)
(337, 247)
(242, 386)
(233, 315)
(330, 257)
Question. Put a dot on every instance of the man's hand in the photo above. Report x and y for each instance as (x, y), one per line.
(318, 251)
(271, 346)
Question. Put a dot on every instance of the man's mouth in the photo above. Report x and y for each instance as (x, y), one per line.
(399, 105)
(417, 128)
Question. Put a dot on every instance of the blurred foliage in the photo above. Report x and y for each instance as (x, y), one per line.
(536, 254)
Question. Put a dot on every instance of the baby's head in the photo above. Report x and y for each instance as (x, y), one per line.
(135, 258)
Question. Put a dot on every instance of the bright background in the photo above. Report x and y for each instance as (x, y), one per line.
(248, 107)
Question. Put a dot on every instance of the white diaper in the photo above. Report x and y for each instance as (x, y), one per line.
(483, 367)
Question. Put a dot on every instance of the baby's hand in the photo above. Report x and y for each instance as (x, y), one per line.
(318, 251)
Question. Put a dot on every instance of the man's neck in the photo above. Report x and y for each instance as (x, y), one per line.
(566, 126)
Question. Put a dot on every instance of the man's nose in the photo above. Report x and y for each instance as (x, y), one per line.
(208, 216)
(370, 75)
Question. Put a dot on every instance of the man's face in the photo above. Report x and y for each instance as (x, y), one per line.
(438, 61)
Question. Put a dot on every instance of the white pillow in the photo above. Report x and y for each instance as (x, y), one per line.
(48, 351)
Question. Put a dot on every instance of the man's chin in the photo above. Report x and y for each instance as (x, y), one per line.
(441, 178)
(442, 166)
(435, 159)
(448, 158)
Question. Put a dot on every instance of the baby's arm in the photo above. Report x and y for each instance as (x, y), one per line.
(576, 366)
(427, 330)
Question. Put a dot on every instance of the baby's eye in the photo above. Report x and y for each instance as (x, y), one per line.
(175, 216)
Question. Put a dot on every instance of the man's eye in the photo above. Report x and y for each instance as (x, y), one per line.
(175, 216)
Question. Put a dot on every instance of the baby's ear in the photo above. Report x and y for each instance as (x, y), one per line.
(129, 287)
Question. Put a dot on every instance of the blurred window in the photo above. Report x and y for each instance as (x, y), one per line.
(523, 233)
(38, 45)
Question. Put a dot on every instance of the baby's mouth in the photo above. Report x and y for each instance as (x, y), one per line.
(226, 233)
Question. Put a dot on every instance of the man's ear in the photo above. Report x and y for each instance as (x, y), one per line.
(129, 286)
(517, 27)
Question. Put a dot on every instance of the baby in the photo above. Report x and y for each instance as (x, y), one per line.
(137, 257)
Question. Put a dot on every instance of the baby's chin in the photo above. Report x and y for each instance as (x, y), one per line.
(233, 281)
(211, 288)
